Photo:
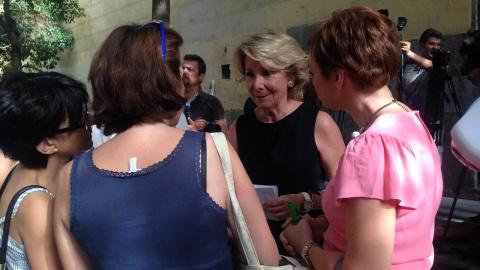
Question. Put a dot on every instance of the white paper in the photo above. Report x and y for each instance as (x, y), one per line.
(265, 193)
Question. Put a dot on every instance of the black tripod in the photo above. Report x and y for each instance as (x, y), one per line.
(434, 116)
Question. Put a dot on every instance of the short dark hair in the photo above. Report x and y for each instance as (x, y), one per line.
(202, 68)
(430, 32)
(361, 41)
(130, 81)
(32, 108)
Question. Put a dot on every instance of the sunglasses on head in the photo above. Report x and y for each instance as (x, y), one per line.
(84, 124)
(162, 30)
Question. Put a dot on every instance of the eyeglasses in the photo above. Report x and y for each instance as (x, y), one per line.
(162, 30)
(81, 125)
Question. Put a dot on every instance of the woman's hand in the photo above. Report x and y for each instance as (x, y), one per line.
(295, 237)
(278, 207)
(318, 227)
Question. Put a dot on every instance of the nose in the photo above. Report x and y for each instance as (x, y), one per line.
(258, 82)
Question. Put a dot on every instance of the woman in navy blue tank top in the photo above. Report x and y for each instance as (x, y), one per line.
(139, 201)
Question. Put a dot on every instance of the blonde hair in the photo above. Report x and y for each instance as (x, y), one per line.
(276, 52)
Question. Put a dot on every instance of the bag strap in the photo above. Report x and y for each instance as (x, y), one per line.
(6, 225)
(241, 225)
(7, 180)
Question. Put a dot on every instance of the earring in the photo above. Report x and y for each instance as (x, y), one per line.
(290, 84)
(55, 150)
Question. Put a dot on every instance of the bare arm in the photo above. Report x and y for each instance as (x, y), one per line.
(329, 142)
(223, 125)
(247, 197)
(232, 135)
(370, 232)
(36, 216)
(71, 255)
(422, 62)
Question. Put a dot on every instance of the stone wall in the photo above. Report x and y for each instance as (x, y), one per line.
(214, 28)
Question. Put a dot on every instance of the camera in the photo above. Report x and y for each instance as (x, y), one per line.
(212, 127)
(471, 50)
(440, 61)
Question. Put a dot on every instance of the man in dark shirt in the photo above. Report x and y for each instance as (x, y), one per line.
(202, 110)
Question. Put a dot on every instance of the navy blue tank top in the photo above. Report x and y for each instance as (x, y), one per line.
(157, 218)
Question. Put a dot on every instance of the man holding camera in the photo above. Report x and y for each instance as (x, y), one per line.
(414, 88)
(203, 111)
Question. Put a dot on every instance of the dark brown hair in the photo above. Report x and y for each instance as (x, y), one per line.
(131, 83)
(361, 41)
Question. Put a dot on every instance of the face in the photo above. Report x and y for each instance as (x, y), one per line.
(432, 43)
(190, 73)
(78, 139)
(267, 88)
(324, 86)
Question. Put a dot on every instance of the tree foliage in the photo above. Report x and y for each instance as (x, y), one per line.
(32, 34)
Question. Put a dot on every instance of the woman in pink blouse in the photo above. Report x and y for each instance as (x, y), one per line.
(381, 204)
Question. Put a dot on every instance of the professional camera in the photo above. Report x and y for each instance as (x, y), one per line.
(440, 61)
(471, 49)
(212, 127)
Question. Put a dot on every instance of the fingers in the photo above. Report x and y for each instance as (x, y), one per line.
(288, 247)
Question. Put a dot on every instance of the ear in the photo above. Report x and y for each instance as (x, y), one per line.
(46, 146)
(202, 77)
(291, 78)
(339, 77)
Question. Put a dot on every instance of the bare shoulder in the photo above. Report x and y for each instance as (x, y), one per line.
(34, 212)
(232, 135)
(324, 120)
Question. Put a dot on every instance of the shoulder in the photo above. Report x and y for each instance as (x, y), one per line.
(35, 208)
(324, 119)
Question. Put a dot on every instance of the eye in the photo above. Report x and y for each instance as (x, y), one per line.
(250, 74)
(267, 73)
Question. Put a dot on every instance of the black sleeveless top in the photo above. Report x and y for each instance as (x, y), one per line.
(283, 153)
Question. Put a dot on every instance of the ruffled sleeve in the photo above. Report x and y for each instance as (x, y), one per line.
(379, 167)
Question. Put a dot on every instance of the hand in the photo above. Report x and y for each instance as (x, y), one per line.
(318, 225)
(197, 125)
(406, 47)
(295, 237)
(278, 207)
(474, 76)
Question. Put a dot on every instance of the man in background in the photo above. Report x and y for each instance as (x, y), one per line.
(416, 70)
(203, 111)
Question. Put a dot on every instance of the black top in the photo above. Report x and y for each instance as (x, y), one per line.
(283, 153)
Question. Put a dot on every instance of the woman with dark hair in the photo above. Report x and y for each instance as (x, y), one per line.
(382, 202)
(43, 122)
(142, 200)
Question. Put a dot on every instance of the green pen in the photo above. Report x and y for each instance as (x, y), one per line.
(294, 213)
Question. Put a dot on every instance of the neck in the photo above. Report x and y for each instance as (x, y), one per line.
(191, 91)
(367, 102)
(269, 115)
(45, 177)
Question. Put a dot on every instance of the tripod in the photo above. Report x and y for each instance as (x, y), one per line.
(434, 117)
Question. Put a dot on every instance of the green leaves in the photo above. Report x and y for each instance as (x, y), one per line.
(42, 35)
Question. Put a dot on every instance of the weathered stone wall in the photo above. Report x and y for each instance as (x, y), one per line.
(214, 28)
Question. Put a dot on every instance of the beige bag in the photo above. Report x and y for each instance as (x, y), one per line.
(243, 233)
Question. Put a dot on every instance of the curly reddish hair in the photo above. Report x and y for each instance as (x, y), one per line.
(361, 41)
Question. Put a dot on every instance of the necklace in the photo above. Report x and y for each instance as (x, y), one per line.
(362, 129)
